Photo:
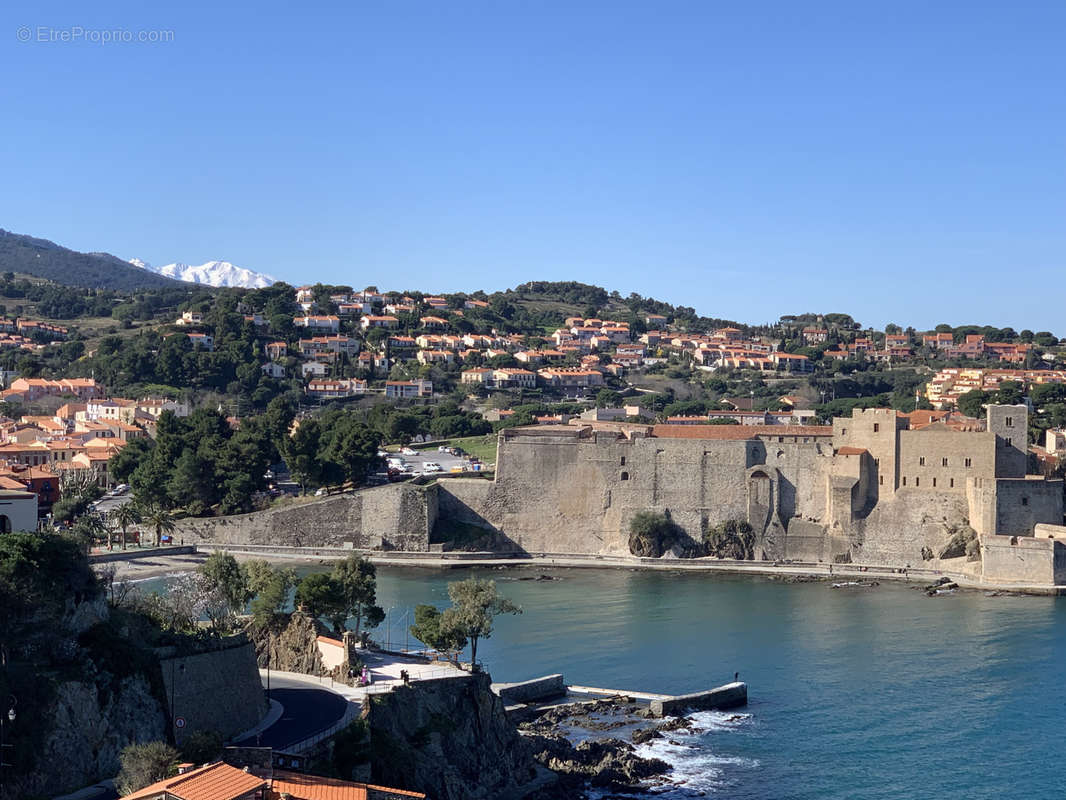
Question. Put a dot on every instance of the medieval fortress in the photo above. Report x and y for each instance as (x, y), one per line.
(871, 489)
(878, 488)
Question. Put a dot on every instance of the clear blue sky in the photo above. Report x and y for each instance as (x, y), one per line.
(901, 161)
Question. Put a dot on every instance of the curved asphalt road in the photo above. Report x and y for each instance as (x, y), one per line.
(306, 712)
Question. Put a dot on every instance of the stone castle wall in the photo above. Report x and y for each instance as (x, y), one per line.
(879, 493)
(568, 490)
(395, 517)
(1023, 560)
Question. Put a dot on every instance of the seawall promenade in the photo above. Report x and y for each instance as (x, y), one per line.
(460, 560)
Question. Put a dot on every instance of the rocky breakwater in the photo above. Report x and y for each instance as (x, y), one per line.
(449, 738)
(607, 744)
(609, 761)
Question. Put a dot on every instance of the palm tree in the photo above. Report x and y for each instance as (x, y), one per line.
(159, 519)
(124, 516)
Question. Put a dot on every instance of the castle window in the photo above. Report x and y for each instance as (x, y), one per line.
(921, 461)
(843, 431)
(917, 481)
(951, 483)
(623, 461)
(880, 480)
(904, 480)
(943, 462)
(877, 462)
(1008, 421)
(934, 483)
(877, 427)
(625, 476)
(969, 462)
(1025, 501)
(1008, 441)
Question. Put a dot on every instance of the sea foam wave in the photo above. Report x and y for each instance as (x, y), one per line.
(696, 769)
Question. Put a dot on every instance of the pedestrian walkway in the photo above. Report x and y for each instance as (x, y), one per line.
(311, 719)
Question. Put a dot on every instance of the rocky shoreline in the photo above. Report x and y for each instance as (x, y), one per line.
(568, 740)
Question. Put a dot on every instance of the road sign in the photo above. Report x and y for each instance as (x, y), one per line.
(179, 722)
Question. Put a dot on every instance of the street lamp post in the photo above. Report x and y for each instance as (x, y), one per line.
(173, 686)
(8, 715)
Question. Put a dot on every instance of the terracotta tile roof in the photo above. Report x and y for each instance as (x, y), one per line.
(851, 451)
(737, 432)
(313, 787)
(216, 781)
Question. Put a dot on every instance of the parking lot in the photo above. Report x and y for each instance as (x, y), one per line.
(420, 458)
(110, 502)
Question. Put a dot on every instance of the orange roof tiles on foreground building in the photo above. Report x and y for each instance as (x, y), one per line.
(220, 781)
(312, 787)
(216, 781)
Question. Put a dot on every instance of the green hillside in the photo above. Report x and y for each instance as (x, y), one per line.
(44, 259)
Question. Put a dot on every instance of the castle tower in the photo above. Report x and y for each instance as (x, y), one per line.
(1010, 424)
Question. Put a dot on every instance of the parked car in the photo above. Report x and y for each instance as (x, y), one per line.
(432, 466)
(407, 451)
(444, 449)
(321, 492)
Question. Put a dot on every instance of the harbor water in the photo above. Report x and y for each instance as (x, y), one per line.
(858, 693)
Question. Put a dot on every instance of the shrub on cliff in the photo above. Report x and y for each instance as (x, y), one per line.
(651, 534)
(731, 539)
(351, 750)
(201, 747)
(144, 764)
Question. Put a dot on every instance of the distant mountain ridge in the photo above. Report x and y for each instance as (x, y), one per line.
(44, 259)
(210, 273)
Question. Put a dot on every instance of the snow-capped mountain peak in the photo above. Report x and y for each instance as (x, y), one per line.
(211, 273)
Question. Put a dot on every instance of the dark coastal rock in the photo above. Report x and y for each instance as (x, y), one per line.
(289, 645)
(676, 724)
(645, 735)
(451, 739)
(604, 763)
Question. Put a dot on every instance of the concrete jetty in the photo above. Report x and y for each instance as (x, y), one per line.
(647, 697)
(550, 687)
(531, 691)
(729, 696)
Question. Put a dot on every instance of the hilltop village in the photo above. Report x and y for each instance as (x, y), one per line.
(831, 441)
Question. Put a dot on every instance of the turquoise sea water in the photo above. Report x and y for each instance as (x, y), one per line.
(859, 694)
